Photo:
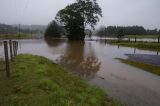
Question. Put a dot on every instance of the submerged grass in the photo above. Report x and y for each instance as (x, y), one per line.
(37, 81)
(142, 36)
(140, 45)
(16, 36)
(147, 67)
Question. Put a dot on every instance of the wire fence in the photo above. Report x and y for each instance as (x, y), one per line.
(8, 49)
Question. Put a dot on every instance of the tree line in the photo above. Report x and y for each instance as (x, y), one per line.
(126, 30)
(9, 29)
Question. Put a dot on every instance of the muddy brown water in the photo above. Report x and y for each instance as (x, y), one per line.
(95, 62)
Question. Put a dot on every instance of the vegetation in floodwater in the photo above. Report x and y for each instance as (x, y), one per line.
(75, 18)
(54, 30)
(129, 31)
(16, 36)
(37, 81)
(147, 67)
(142, 36)
(140, 45)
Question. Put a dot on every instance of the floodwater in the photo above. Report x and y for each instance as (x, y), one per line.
(131, 39)
(96, 62)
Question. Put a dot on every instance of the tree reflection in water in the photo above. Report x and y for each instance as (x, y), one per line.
(55, 42)
(75, 58)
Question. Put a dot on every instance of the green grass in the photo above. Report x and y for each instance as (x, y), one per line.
(16, 36)
(2, 67)
(142, 36)
(37, 81)
(147, 67)
(140, 45)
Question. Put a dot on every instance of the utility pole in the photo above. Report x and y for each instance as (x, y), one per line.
(19, 29)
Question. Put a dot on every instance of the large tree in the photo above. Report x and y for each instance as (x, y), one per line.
(77, 16)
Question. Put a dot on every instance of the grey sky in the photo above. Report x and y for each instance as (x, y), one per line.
(115, 12)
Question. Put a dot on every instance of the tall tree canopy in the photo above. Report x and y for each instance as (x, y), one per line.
(77, 16)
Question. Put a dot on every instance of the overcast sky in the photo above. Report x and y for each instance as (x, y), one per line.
(115, 12)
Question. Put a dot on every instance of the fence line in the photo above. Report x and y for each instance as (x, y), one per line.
(10, 50)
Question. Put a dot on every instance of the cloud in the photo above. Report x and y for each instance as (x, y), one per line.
(115, 12)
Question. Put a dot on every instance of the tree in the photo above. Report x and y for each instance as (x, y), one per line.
(120, 34)
(77, 16)
(53, 30)
(101, 32)
(127, 30)
(159, 32)
(89, 33)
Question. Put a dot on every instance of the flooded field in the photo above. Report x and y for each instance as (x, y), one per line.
(96, 62)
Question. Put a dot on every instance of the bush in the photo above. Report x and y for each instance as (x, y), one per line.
(53, 30)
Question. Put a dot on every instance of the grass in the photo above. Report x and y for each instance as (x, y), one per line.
(1, 65)
(16, 36)
(142, 36)
(140, 45)
(37, 81)
(147, 67)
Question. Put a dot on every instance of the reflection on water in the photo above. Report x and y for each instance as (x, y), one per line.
(95, 61)
(74, 58)
(54, 43)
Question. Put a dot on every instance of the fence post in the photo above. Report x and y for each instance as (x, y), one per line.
(129, 39)
(6, 58)
(14, 48)
(157, 53)
(17, 45)
(158, 39)
(11, 49)
(135, 39)
(134, 50)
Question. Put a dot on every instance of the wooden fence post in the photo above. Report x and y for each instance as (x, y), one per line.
(135, 39)
(11, 49)
(157, 53)
(134, 50)
(16, 46)
(6, 58)
(129, 39)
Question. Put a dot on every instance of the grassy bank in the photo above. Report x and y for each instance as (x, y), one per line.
(16, 36)
(37, 81)
(146, 67)
(140, 45)
(142, 36)
(1, 65)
